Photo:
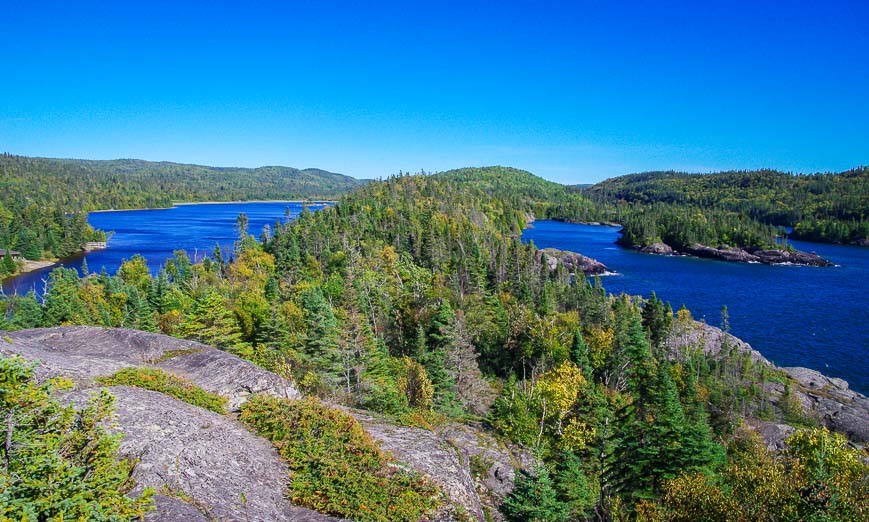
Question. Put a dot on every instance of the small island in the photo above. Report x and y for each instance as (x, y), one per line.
(766, 256)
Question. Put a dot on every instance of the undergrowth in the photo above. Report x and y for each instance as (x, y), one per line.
(336, 467)
(160, 381)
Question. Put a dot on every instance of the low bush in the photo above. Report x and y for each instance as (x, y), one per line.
(160, 381)
(336, 467)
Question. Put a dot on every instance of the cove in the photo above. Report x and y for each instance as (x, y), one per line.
(157, 233)
(793, 315)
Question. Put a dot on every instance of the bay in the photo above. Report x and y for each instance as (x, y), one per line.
(793, 315)
(157, 233)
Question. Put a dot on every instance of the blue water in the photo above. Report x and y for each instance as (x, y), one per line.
(156, 234)
(793, 315)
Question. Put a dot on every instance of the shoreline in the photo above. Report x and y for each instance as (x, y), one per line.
(32, 266)
(234, 202)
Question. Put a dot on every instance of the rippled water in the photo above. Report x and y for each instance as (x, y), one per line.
(156, 234)
(794, 315)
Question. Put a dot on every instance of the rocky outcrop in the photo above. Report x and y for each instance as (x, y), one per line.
(204, 466)
(825, 399)
(767, 256)
(207, 466)
(712, 340)
(84, 353)
(572, 261)
(832, 402)
(662, 249)
(789, 257)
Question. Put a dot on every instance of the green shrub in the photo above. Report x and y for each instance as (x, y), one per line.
(160, 381)
(60, 464)
(336, 467)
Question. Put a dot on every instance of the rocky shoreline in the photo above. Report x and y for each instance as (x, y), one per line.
(766, 256)
(573, 262)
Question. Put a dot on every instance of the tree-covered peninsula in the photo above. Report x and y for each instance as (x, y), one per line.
(742, 208)
(414, 299)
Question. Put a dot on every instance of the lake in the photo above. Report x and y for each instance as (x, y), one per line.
(793, 315)
(157, 233)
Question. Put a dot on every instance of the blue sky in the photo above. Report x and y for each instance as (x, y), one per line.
(572, 91)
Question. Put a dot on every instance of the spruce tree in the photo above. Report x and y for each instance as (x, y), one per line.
(534, 499)
(212, 323)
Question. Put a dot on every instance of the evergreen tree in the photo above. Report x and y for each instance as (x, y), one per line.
(534, 499)
(9, 265)
(210, 322)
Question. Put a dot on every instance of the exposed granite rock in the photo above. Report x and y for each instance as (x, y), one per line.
(211, 458)
(657, 248)
(445, 456)
(830, 399)
(710, 339)
(795, 257)
(737, 255)
(773, 434)
(86, 352)
(770, 256)
(209, 463)
(492, 463)
(572, 261)
(758, 255)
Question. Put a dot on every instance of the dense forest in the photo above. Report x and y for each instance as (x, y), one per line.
(44, 202)
(818, 207)
(414, 297)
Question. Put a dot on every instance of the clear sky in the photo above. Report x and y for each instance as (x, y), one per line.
(574, 91)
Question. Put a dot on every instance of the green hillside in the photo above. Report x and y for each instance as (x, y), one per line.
(820, 207)
(43, 202)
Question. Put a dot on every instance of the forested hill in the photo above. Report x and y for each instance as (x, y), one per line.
(43, 202)
(820, 207)
(128, 183)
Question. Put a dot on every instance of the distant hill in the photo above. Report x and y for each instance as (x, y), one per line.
(830, 207)
(130, 183)
(44, 202)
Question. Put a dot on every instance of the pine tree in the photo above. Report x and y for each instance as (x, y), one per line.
(322, 336)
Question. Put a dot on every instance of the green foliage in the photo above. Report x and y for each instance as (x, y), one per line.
(818, 478)
(159, 381)
(534, 499)
(336, 467)
(729, 207)
(59, 464)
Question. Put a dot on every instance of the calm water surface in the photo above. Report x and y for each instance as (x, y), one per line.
(795, 316)
(156, 234)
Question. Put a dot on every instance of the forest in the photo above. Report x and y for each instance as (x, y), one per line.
(44, 202)
(830, 207)
(414, 297)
